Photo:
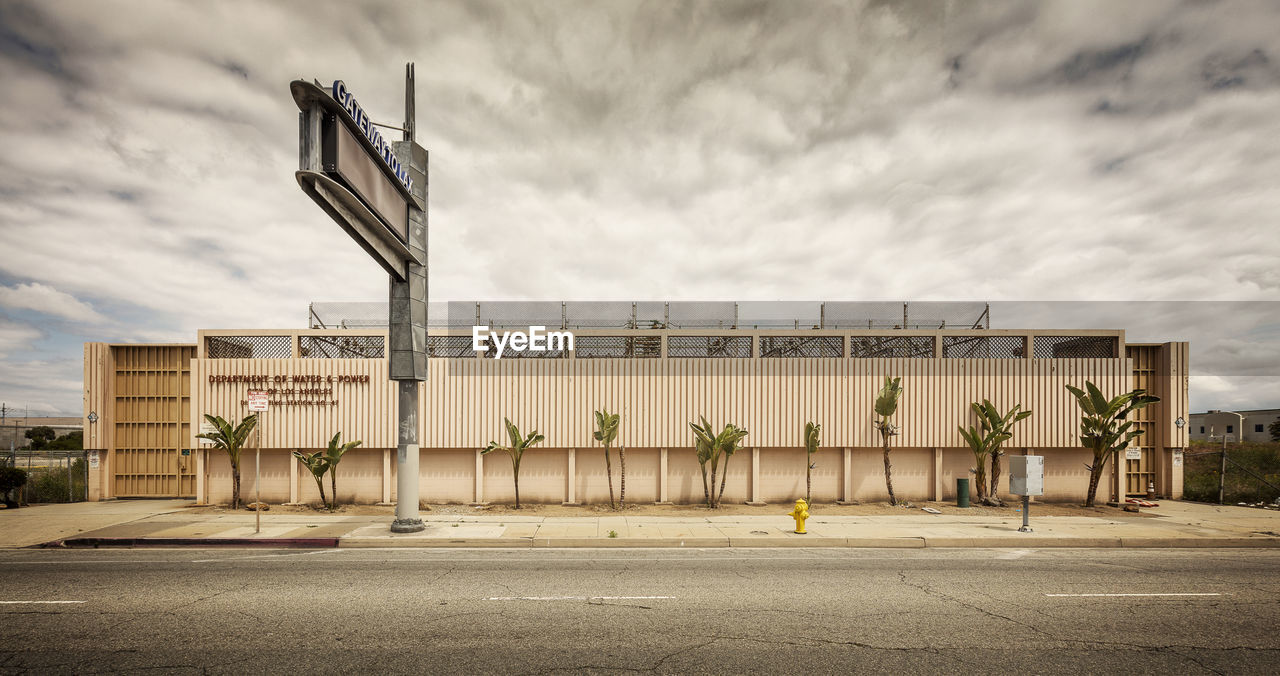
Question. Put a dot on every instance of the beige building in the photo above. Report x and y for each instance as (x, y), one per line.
(771, 382)
(1253, 425)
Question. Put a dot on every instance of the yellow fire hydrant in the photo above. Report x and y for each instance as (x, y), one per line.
(800, 513)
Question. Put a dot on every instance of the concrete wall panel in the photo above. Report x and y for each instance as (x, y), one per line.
(447, 475)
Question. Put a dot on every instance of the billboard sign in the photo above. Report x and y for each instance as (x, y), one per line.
(370, 131)
(353, 173)
(344, 157)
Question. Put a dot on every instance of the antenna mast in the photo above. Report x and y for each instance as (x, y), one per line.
(409, 96)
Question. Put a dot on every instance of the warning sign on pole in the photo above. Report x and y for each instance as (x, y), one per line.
(257, 400)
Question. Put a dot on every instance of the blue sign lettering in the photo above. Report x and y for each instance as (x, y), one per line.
(384, 150)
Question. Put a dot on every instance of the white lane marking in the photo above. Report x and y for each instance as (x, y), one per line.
(577, 598)
(10, 603)
(1165, 594)
(1013, 555)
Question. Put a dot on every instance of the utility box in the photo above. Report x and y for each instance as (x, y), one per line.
(1026, 474)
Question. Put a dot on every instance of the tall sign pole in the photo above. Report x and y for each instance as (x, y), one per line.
(407, 325)
(377, 192)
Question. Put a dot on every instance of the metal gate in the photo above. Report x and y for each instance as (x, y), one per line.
(1141, 471)
(151, 457)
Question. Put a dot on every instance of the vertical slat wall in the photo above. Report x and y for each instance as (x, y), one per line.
(186, 463)
(97, 395)
(1174, 372)
(466, 399)
(365, 411)
(1145, 362)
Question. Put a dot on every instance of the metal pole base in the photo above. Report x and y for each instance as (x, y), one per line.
(1026, 514)
(407, 526)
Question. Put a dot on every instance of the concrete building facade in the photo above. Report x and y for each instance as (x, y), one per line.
(1253, 425)
(771, 382)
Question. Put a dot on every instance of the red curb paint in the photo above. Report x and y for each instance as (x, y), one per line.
(193, 542)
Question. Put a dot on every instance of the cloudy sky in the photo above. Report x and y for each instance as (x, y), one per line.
(1002, 151)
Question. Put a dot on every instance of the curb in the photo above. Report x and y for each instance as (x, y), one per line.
(409, 541)
(90, 542)
(1203, 543)
(1023, 542)
(689, 542)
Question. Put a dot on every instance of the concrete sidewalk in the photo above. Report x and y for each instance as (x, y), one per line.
(1177, 524)
(28, 526)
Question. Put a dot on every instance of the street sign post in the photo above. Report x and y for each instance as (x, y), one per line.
(258, 403)
(376, 191)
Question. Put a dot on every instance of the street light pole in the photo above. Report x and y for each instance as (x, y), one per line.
(1222, 472)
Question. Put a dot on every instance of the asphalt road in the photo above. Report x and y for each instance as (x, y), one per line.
(687, 611)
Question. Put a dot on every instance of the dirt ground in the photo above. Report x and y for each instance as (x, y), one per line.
(649, 509)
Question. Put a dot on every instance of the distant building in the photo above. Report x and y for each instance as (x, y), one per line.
(13, 431)
(1252, 424)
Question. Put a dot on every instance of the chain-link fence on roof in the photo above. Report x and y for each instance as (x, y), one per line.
(658, 315)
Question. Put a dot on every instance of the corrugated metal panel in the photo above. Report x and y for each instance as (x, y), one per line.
(365, 410)
(466, 399)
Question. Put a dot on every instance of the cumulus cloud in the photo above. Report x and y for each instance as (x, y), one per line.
(742, 150)
(47, 300)
(41, 387)
(15, 337)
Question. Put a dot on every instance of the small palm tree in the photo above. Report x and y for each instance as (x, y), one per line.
(622, 476)
(333, 455)
(1000, 432)
(886, 406)
(984, 440)
(976, 438)
(711, 447)
(318, 465)
(812, 431)
(519, 444)
(1105, 427)
(232, 439)
(704, 447)
(729, 443)
(606, 432)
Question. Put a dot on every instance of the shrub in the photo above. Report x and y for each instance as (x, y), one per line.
(1202, 464)
(49, 484)
(11, 478)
